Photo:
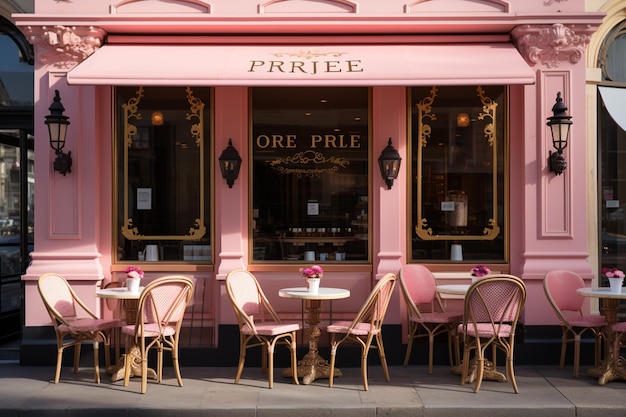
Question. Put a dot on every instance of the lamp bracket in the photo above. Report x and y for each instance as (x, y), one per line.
(63, 162)
(556, 162)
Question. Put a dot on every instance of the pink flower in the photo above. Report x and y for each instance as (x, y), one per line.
(612, 273)
(134, 272)
(480, 271)
(314, 271)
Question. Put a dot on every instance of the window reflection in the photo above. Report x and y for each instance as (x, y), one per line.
(310, 174)
(163, 193)
(458, 170)
(16, 75)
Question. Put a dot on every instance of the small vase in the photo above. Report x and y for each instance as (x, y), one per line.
(314, 285)
(132, 284)
(616, 284)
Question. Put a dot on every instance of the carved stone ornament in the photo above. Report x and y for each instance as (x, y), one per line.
(64, 46)
(550, 45)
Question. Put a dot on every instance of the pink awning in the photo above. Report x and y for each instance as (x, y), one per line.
(305, 65)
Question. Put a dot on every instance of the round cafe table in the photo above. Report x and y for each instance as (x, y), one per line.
(129, 302)
(312, 365)
(613, 367)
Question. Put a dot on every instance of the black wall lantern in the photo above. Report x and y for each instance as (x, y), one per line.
(389, 161)
(57, 129)
(560, 124)
(230, 163)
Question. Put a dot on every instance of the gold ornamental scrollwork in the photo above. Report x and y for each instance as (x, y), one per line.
(425, 116)
(296, 164)
(197, 229)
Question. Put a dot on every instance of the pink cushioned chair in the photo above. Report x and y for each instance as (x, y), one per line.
(419, 287)
(560, 288)
(64, 308)
(259, 325)
(366, 327)
(492, 307)
(160, 313)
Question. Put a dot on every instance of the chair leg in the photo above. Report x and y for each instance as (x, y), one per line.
(76, 356)
(510, 372)
(107, 351)
(364, 367)
(242, 358)
(563, 349)
(457, 348)
(331, 373)
(382, 356)
(465, 370)
(176, 363)
(270, 365)
(450, 348)
(264, 354)
(96, 361)
(480, 364)
(431, 345)
(409, 346)
(576, 355)
(597, 349)
(159, 362)
(294, 358)
(57, 373)
(144, 368)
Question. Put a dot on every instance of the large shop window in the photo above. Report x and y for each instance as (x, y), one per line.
(458, 172)
(163, 166)
(611, 141)
(310, 174)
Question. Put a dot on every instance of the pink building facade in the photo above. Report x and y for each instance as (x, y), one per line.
(241, 59)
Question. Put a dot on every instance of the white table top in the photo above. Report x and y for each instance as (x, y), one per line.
(121, 293)
(324, 293)
(454, 289)
(602, 292)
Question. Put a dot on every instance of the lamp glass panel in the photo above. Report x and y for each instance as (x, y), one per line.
(57, 135)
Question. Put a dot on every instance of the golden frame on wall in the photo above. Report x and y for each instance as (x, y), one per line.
(197, 228)
(425, 116)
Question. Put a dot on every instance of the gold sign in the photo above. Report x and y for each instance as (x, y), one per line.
(310, 62)
(316, 141)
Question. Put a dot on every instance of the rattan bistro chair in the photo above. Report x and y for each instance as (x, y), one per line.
(259, 325)
(492, 308)
(560, 288)
(64, 308)
(160, 314)
(419, 287)
(365, 328)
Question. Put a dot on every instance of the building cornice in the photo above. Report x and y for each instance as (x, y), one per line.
(308, 25)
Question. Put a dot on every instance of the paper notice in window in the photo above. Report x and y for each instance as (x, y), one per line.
(144, 198)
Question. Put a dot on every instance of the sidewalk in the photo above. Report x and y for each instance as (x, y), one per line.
(544, 391)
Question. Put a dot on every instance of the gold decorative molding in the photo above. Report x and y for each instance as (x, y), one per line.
(488, 115)
(308, 54)
(64, 46)
(295, 164)
(550, 45)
